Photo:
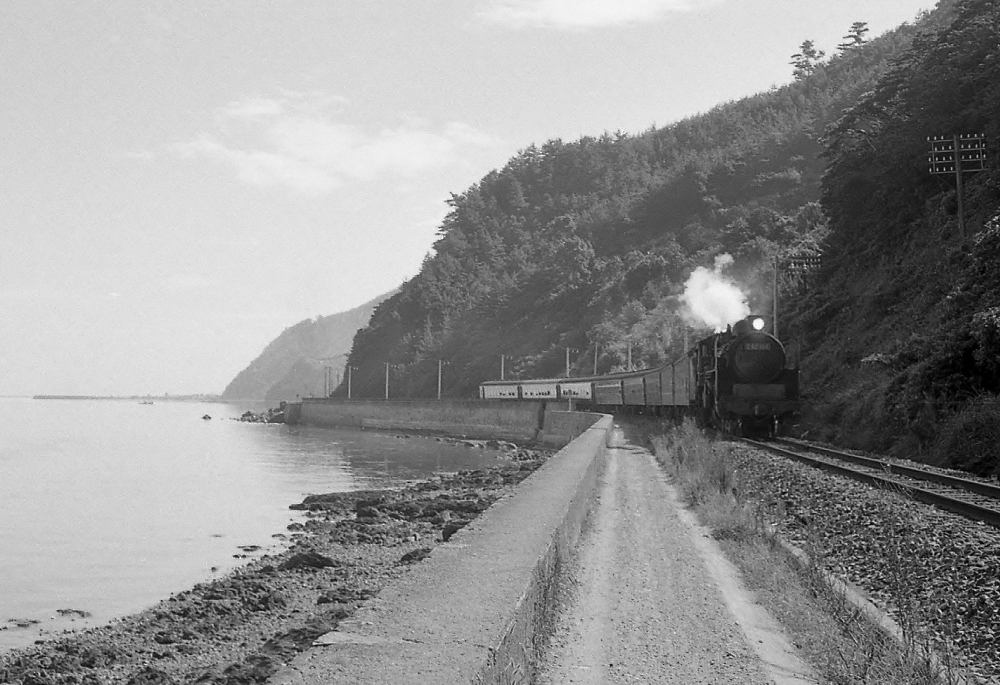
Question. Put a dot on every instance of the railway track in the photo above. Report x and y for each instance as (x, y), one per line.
(973, 499)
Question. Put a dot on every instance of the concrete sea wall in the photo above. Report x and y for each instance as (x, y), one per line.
(477, 609)
(498, 419)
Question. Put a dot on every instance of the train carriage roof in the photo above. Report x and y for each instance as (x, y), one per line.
(581, 379)
(530, 381)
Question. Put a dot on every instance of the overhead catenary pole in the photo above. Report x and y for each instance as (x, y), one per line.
(349, 367)
(596, 348)
(501, 367)
(387, 380)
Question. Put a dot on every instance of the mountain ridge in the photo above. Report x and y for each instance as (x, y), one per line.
(294, 363)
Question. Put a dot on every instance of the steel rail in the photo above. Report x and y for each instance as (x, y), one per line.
(977, 487)
(967, 509)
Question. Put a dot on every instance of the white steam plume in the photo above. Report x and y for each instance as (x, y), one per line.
(711, 299)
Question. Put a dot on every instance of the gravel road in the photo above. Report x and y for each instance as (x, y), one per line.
(650, 599)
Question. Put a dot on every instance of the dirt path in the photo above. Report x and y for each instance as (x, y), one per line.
(651, 600)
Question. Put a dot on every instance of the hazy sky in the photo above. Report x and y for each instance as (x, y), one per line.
(180, 181)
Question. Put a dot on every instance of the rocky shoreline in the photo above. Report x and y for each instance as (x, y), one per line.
(243, 627)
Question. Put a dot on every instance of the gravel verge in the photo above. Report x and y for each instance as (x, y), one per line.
(935, 573)
(648, 598)
(242, 627)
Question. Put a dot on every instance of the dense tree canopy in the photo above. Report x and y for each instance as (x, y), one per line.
(907, 311)
(586, 244)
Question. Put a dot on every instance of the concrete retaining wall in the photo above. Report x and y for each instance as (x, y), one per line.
(497, 419)
(469, 418)
(476, 610)
(559, 427)
(293, 412)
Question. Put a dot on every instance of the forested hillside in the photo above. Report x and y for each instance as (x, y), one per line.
(587, 245)
(903, 328)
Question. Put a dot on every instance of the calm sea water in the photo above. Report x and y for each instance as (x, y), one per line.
(108, 506)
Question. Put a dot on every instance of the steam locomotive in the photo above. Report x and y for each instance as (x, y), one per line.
(738, 381)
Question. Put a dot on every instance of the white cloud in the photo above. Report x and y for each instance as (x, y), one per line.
(296, 142)
(262, 167)
(584, 14)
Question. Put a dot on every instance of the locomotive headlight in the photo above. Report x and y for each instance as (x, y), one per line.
(758, 323)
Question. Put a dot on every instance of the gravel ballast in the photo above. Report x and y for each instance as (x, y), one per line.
(933, 571)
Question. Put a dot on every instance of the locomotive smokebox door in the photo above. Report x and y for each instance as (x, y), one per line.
(758, 358)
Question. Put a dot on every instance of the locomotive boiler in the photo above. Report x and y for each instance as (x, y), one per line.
(743, 383)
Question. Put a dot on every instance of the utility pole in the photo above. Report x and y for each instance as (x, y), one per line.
(387, 380)
(349, 368)
(629, 366)
(953, 155)
(596, 347)
(501, 367)
(774, 300)
(440, 364)
(568, 350)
